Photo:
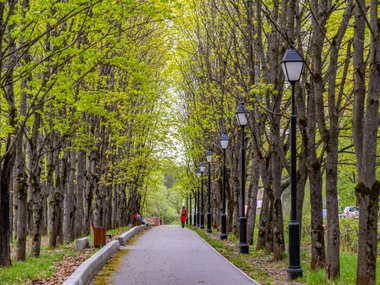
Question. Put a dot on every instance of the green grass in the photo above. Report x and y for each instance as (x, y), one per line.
(43, 267)
(348, 262)
(35, 268)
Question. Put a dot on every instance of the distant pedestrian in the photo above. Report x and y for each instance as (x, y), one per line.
(183, 216)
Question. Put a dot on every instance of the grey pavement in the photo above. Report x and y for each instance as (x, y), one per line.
(173, 255)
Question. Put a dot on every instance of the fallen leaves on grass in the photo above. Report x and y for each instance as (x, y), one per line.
(64, 269)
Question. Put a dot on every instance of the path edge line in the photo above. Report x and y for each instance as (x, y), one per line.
(223, 257)
(86, 271)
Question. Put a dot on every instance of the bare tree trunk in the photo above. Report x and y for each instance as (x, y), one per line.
(21, 175)
(80, 188)
(6, 168)
(123, 205)
(318, 256)
(252, 203)
(21, 189)
(115, 206)
(278, 224)
(35, 184)
(368, 188)
(90, 185)
(7, 161)
(52, 215)
(265, 206)
(68, 200)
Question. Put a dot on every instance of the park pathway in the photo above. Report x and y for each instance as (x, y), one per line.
(170, 255)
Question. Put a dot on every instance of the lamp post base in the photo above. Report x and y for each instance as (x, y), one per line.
(209, 223)
(202, 225)
(294, 269)
(223, 226)
(243, 248)
(294, 272)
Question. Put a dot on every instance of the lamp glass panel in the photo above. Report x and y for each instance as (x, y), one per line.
(242, 119)
(224, 144)
(293, 68)
(224, 141)
(284, 71)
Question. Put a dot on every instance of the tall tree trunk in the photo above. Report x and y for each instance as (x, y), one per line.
(265, 205)
(318, 256)
(252, 203)
(278, 224)
(7, 161)
(35, 184)
(319, 32)
(21, 175)
(68, 199)
(52, 215)
(368, 188)
(6, 169)
(80, 188)
(21, 186)
(89, 193)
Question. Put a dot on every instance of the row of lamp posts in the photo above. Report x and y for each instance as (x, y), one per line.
(241, 116)
(291, 64)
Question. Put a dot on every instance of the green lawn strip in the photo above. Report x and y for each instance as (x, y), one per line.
(44, 266)
(260, 265)
(36, 268)
(348, 262)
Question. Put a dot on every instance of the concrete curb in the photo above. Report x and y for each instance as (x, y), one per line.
(90, 267)
(124, 238)
(233, 265)
(87, 270)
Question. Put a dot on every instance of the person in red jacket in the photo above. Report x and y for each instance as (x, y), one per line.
(183, 216)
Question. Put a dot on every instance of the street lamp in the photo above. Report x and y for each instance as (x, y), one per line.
(195, 209)
(223, 223)
(292, 64)
(198, 211)
(187, 207)
(241, 116)
(202, 169)
(189, 211)
(209, 158)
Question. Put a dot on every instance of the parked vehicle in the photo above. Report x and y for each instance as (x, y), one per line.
(355, 214)
(349, 211)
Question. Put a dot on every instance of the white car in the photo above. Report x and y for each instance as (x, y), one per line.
(355, 214)
(348, 212)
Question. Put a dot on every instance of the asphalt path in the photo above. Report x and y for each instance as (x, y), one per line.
(173, 255)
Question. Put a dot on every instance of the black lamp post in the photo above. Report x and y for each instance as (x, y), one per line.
(187, 207)
(202, 169)
(189, 211)
(195, 209)
(292, 64)
(209, 158)
(223, 221)
(198, 210)
(241, 117)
